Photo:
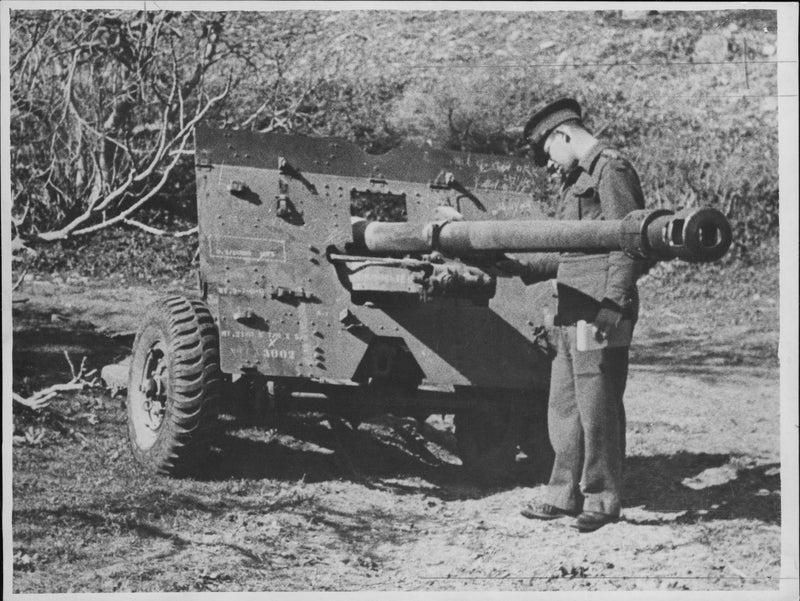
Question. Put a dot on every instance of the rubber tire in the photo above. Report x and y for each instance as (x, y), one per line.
(184, 329)
(487, 440)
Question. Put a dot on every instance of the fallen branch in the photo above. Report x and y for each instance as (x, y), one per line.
(41, 399)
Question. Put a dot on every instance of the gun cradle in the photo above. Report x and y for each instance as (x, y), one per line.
(426, 279)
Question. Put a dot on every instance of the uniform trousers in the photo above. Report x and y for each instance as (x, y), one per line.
(586, 424)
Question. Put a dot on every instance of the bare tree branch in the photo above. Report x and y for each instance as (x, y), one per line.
(20, 279)
(165, 176)
(159, 232)
(95, 207)
(103, 104)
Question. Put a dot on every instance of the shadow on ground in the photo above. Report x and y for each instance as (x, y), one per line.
(155, 514)
(41, 338)
(655, 483)
(315, 448)
(400, 454)
(678, 353)
(375, 456)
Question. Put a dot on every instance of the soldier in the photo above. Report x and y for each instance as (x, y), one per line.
(586, 417)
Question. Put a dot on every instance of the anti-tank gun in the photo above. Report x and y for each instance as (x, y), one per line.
(695, 235)
(359, 284)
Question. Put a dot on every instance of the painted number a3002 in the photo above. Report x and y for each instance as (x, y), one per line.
(278, 354)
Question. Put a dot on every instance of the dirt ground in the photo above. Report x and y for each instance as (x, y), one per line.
(317, 505)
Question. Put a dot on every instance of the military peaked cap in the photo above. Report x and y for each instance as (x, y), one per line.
(544, 121)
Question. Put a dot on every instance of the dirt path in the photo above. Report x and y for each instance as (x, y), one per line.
(318, 505)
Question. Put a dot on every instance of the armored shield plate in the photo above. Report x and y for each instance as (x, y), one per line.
(273, 208)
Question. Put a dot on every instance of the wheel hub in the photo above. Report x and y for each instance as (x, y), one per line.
(154, 387)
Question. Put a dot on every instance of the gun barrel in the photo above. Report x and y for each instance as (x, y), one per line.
(695, 235)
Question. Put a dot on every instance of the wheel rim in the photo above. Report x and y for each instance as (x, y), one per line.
(149, 396)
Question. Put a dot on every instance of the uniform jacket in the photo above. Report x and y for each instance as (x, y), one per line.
(603, 186)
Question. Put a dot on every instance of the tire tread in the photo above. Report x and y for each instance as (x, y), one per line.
(190, 335)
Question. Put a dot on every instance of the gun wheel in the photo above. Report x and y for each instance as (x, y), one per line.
(174, 386)
(487, 443)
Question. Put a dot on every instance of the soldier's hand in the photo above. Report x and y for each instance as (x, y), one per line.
(447, 214)
(607, 320)
(511, 267)
(531, 268)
